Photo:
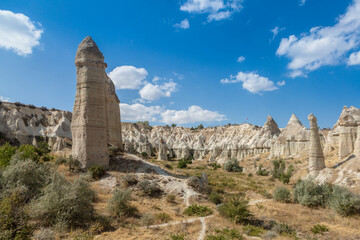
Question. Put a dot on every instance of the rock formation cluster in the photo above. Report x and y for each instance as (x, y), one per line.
(316, 155)
(96, 114)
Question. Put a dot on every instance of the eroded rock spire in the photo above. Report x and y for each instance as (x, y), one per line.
(316, 155)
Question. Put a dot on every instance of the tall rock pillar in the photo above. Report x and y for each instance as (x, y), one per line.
(357, 143)
(316, 156)
(89, 121)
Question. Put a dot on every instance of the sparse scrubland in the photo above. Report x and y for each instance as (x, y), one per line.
(138, 197)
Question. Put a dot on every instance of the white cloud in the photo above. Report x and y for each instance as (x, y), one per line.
(18, 33)
(302, 2)
(216, 9)
(354, 59)
(251, 82)
(128, 77)
(4, 99)
(191, 115)
(139, 112)
(275, 31)
(184, 24)
(323, 45)
(280, 83)
(153, 92)
(241, 59)
(155, 79)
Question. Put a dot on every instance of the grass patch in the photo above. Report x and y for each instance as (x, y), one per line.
(198, 210)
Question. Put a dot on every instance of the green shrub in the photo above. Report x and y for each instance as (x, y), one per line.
(310, 194)
(28, 152)
(163, 217)
(215, 198)
(119, 204)
(284, 229)
(198, 210)
(170, 198)
(144, 155)
(262, 171)
(168, 166)
(214, 166)
(253, 231)
(232, 165)
(280, 173)
(27, 174)
(14, 219)
(225, 234)
(72, 163)
(282, 194)
(150, 189)
(6, 153)
(97, 171)
(235, 208)
(344, 202)
(319, 229)
(64, 204)
(182, 163)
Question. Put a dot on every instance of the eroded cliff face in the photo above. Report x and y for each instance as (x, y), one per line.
(21, 123)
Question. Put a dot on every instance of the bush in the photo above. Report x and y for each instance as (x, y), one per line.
(147, 219)
(284, 229)
(319, 229)
(310, 194)
(73, 164)
(97, 171)
(44, 234)
(168, 166)
(64, 204)
(6, 153)
(232, 165)
(198, 210)
(150, 189)
(170, 198)
(214, 166)
(182, 163)
(14, 218)
(215, 198)
(253, 230)
(130, 179)
(27, 174)
(235, 208)
(282, 194)
(119, 204)
(262, 171)
(344, 202)
(177, 237)
(28, 152)
(225, 234)
(144, 155)
(163, 217)
(280, 173)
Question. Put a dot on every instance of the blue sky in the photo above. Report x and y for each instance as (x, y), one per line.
(190, 61)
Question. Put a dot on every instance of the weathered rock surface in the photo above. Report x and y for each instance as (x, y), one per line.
(316, 155)
(96, 114)
(21, 123)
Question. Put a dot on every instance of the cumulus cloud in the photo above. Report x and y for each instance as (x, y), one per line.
(215, 9)
(184, 24)
(252, 82)
(4, 99)
(354, 59)
(192, 115)
(323, 46)
(153, 92)
(18, 33)
(128, 77)
(241, 59)
(139, 112)
(275, 31)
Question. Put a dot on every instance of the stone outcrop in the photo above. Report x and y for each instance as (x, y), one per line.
(357, 143)
(96, 114)
(162, 155)
(316, 155)
(22, 124)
